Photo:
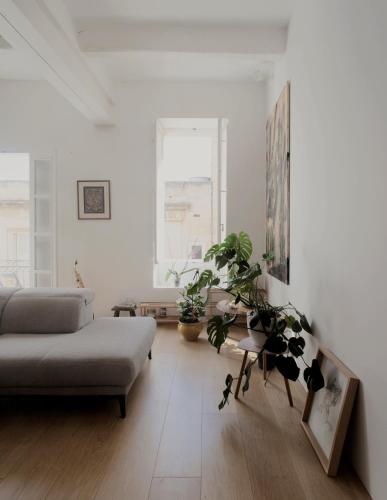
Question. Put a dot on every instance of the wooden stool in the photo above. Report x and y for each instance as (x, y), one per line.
(130, 308)
(248, 345)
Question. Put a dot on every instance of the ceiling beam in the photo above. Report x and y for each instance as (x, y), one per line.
(117, 36)
(29, 26)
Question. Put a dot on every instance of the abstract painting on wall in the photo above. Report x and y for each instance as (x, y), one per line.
(278, 187)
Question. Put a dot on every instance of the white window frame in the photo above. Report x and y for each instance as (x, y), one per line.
(220, 207)
(50, 235)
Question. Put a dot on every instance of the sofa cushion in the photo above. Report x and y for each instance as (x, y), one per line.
(106, 352)
(47, 310)
(5, 295)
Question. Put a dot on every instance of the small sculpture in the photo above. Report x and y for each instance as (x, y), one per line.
(78, 277)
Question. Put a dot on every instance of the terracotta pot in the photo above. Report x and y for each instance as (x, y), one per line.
(190, 331)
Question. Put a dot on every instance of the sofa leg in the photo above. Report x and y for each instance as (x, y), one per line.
(150, 354)
(122, 403)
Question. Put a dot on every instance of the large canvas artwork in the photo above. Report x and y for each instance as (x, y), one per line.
(278, 187)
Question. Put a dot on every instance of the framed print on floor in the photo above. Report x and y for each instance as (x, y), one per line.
(327, 412)
(94, 200)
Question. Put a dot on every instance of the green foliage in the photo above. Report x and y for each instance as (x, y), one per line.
(268, 256)
(177, 275)
(247, 374)
(192, 308)
(205, 279)
(191, 304)
(305, 325)
(233, 250)
(227, 391)
(241, 282)
(218, 328)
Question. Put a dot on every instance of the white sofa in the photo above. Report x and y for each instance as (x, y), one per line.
(50, 345)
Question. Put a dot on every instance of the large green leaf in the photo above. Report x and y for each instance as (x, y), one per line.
(245, 246)
(206, 279)
(305, 324)
(217, 330)
(227, 391)
(230, 241)
(296, 327)
(313, 377)
(287, 367)
(221, 261)
(211, 252)
(245, 277)
(275, 344)
(296, 346)
(247, 374)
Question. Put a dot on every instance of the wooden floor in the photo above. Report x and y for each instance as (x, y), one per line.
(174, 443)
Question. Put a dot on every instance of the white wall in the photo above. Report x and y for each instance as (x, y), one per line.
(336, 63)
(115, 257)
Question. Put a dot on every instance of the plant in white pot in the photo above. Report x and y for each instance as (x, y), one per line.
(241, 280)
(274, 329)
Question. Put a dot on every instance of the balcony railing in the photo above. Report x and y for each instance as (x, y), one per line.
(15, 273)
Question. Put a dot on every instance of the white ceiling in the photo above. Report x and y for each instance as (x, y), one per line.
(16, 65)
(186, 11)
(178, 66)
(164, 64)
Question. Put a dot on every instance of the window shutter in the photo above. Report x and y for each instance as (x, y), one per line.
(222, 133)
(43, 222)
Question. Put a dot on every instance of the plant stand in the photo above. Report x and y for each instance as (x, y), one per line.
(248, 345)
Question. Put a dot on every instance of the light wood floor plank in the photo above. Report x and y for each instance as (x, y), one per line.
(224, 467)
(269, 456)
(180, 449)
(167, 488)
(38, 468)
(81, 470)
(131, 456)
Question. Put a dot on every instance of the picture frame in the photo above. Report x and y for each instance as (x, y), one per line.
(328, 411)
(93, 200)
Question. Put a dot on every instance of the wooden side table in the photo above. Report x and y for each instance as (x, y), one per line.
(248, 345)
(131, 308)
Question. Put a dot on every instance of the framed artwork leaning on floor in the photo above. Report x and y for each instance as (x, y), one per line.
(327, 412)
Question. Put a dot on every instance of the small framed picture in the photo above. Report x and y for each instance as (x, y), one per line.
(327, 412)
(94, 200)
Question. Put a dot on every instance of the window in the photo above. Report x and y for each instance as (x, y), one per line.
(26, 221)
(190, 195)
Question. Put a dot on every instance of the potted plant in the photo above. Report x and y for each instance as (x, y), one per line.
(172, 272)
(275, 329)
(241, 281)
(192, 305)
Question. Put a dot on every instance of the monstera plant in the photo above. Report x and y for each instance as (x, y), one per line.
(281, 326)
